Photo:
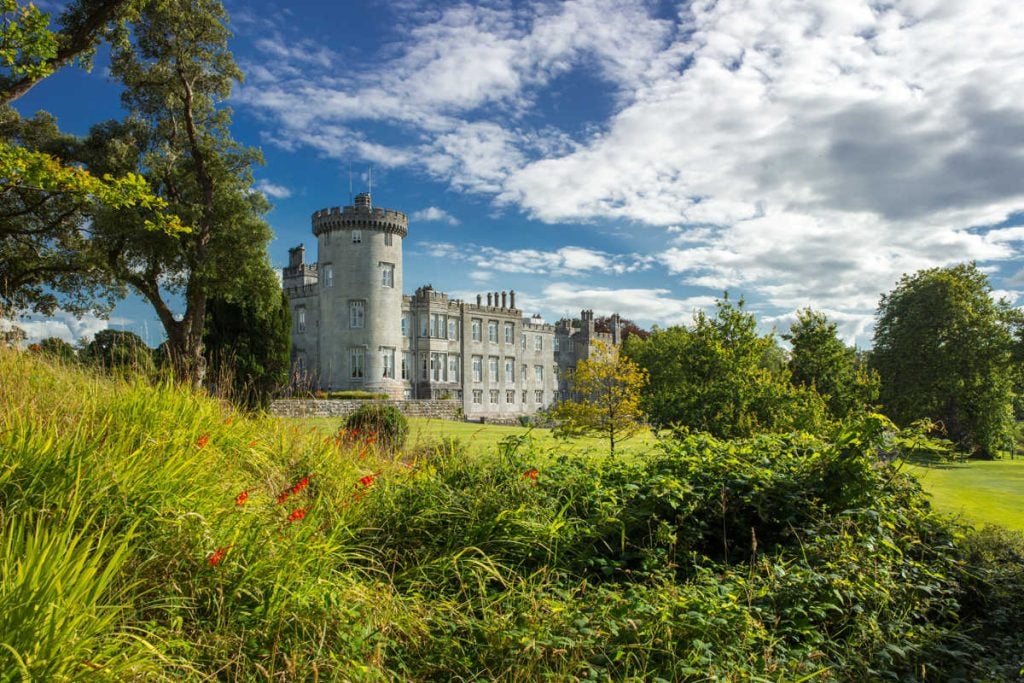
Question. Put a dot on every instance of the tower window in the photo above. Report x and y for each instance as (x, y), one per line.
(387, 274)
(328, 276)
(387, 356)
(357, 236)
(356, 356)
(302, 320)
(389, 239)
(356, 314)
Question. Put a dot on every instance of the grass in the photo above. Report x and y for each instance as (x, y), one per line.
(483, 439)
(981, 491)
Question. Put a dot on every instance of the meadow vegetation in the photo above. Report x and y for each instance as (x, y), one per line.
(156, 534)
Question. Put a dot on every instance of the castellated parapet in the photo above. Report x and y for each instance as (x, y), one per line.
(360, 216)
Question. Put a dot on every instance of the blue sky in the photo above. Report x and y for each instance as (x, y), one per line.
(638, 157)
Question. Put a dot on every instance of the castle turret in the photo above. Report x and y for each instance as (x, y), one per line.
(360, 275)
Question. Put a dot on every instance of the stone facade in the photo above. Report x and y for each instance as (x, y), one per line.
(302, 407)
(354, 330)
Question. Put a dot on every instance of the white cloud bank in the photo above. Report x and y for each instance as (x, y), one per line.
(805, 152)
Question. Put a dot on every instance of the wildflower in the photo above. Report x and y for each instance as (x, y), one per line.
(283, 496)
(203, 440)
(218, 555)
(367, 481)
(530, 474)
(301, 484)
(252, 443)
(229, 420)
(241, 498)
(297, 514)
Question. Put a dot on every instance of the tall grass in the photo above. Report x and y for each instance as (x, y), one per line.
(152, 534)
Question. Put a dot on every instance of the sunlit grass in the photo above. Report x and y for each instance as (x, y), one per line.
(981, 491)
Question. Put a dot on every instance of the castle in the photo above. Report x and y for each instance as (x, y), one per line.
(353, 329)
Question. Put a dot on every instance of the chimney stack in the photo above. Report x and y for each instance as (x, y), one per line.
(512, 299)
(504, 303)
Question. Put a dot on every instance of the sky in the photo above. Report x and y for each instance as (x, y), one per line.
(640, 157)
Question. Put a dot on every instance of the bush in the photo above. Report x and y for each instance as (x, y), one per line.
(355, 395)
(387, 422)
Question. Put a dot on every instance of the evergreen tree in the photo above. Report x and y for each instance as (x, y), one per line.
(249, 347)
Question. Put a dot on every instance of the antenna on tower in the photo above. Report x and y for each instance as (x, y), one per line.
(369, 189)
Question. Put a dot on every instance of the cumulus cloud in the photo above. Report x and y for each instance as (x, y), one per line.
(64, 325)
(434, 214)
(564, 260)
(648, 306)
(274, 191)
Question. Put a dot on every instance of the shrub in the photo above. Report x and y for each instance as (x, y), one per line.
(355, 395)
(386, 421)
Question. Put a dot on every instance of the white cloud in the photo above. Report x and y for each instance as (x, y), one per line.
(646, 306)
(271, 190)
(434, 214)
(566, 260)
(66, 326)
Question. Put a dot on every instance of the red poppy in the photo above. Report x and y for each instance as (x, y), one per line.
(301, 484)
(203, 440)
(297, 514)
(241, 498)
(218, 555)
(530, 474)
(367, 481)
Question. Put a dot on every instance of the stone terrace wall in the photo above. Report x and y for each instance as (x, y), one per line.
(311, 407)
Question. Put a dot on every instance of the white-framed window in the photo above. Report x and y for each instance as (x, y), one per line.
(424, 322)
(328, 276)
(538, 342)
(437, 326)
(389, 239)
(454, 367)
(524, 398)
(424, 366)
(301, 320)
(510, 396)
(492, 369)
(474, 327)
(492, 331)
(405, 325)
(357, 236)
(525, 372)
(406, 364)
(478, 396)
(554, 344)
(510, 369)
(437, 366)
(538, 396)
(453, 328)
(387, 274)
(478, 368)
(538, 372)
(356, 362)
(494, 396)
(356, 313)
(510, 333)
(387, 357)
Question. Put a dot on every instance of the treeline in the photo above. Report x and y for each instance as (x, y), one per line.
(944, 352)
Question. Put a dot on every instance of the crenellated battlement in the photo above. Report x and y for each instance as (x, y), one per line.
(362, 216)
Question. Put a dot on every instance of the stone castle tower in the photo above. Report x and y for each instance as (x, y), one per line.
(359, 304)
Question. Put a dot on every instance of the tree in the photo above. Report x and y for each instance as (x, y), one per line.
(177, 72)
(57, 348)
(249, 345)
(819, 359)
(120, 351)
(721, 377)
(626, 327)
(943, 349)
(607, 390)
(45, 202)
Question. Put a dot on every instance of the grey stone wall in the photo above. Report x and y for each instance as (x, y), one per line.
(302, 407)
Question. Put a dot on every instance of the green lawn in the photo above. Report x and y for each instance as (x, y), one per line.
(983, 492)
(483, 438)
